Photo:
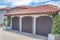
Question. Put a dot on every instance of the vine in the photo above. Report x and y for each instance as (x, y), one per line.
(56, 24)
(8, 20)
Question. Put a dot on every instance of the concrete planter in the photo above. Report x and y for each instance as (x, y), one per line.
(7, 28)
(53, 36)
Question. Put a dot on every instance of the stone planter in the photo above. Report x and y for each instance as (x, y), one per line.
(53, 36)
(7, 28)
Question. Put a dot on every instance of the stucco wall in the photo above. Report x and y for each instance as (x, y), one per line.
(2, 12)
(21, 16)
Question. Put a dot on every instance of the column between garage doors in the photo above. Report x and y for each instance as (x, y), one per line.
(20, 24)
(34, 25)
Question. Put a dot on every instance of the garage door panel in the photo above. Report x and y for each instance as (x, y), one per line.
(15, 23)
(27, 24)
(43, 25)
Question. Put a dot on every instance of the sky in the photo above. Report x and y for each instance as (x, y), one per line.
(14, 3)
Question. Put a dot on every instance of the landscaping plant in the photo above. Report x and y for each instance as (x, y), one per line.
(56, 24)
(8, 20)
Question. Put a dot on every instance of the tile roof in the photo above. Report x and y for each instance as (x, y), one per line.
(21, 7)
(44, 9)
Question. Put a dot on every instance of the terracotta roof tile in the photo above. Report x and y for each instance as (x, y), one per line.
(44, 9)
(21, 7)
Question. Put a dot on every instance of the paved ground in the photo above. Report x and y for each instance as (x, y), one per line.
(10, 35)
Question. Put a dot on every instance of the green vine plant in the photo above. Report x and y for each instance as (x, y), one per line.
(8, 20)
(56, 24)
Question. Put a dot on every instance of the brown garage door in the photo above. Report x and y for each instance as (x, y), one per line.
(27, 24)
(15, 23)
(43, 25)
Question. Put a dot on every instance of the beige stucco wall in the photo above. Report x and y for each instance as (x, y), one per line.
(21, 16)
(2, 13)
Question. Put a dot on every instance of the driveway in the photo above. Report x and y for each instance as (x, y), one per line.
(12, 35)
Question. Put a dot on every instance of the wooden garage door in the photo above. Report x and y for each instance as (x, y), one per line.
(15, 23)
(43, 25)
(27, 24)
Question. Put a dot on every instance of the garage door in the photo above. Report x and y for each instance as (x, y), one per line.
(43, 25)
(15, 23)
(27, 24)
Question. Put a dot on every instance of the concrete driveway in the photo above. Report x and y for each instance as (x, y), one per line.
(12, 35)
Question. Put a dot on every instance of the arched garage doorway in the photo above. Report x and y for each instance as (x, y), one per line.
(43, 25)
(27, 24)
(15, 23)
